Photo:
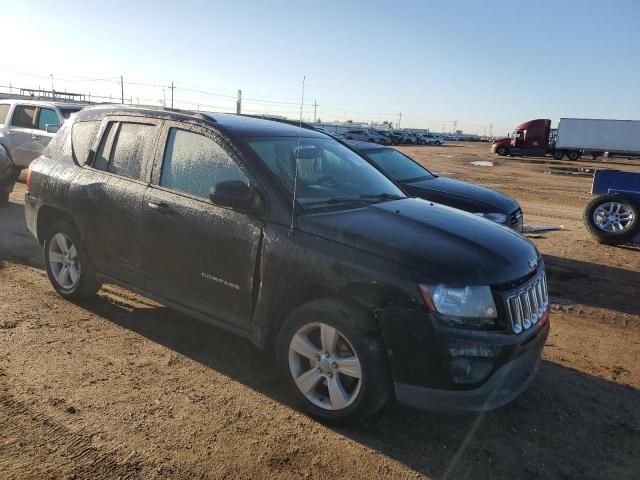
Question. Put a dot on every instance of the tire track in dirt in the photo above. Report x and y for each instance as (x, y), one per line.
(33, 445)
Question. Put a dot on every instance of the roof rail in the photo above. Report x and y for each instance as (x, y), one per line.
(295, 123)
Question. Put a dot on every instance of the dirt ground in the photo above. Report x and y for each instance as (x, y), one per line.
(120, 387)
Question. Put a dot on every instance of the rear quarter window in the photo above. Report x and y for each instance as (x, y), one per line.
(83, 135)
(59, 147)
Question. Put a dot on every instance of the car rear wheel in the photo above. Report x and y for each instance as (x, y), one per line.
(612, 219)
(332, 359)
(68, 265)
(558, 155)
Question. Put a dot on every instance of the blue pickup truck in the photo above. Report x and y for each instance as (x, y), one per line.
(613, 216)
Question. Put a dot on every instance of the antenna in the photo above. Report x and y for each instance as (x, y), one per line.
(295, 173)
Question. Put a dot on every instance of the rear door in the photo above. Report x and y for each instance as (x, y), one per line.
(109, 192)
(195, 253)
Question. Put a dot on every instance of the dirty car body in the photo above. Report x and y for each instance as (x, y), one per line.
(250, 269)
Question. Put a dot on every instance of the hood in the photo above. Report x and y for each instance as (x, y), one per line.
(501, 141)
(466, 196)
(445, 244)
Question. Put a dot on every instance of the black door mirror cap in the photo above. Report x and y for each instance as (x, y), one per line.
(234, 194)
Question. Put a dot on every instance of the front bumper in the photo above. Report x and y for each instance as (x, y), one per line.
(425, 364)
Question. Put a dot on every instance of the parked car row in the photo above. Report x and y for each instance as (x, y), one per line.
(300, 243)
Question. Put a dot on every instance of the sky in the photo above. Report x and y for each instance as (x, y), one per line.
(475, 63)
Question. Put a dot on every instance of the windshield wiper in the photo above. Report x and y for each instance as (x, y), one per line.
(383, 196)
(336, 200)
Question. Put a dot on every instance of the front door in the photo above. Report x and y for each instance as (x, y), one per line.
(194, 253)
(47, 120)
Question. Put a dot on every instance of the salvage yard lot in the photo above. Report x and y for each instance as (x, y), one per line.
(121, 387)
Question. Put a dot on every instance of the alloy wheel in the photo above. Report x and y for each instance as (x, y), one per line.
(324, 366)
(64, 261)
(613, 217)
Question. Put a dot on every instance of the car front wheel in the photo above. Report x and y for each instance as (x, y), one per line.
(68, 265)
(332, 359)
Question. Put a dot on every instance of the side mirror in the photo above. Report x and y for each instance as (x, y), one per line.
(51, 128)
(234, 194)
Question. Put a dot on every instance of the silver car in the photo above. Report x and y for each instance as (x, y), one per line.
(26, 128)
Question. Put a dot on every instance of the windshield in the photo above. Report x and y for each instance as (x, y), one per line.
(398, 166)
(329, 174)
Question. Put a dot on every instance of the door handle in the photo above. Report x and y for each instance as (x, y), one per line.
(160, 207)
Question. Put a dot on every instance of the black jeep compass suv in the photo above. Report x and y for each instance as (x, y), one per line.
(361, 291)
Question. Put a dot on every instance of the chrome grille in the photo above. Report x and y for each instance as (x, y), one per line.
(515, 218)
(528, 304)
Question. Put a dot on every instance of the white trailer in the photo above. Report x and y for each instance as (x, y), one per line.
(598, 137)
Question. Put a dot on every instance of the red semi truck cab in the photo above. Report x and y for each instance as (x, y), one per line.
(530, 138)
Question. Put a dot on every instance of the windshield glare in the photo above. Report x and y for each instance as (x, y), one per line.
(329, 174)
(398, 166)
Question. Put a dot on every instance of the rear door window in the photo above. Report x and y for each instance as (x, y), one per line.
(24, 116)
(193, 163)
(123, 148)
(4, 111)
(127, 155)
(46, 117)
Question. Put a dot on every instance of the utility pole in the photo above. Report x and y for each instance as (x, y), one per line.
(121, 90)
(239, 103)
(491, 130)
(455, 124)
(10, 88)
(399, 120)
(485, 131)
(164, 98)
(51, 75)
(172, 89)
(315, 109)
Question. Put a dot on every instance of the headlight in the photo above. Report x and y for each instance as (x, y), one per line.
(471, 307)
(495, 217)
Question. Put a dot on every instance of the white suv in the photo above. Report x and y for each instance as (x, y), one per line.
(26, 128)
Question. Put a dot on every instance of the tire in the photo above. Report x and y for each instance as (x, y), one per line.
(63, 241)
(558, 155)
(502, 151)
(573, 155)
(371, 140)
(438, 143)
(604, 232)
(334, 397)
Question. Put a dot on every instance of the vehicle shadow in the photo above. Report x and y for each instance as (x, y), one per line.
(16, 242)
(594, 284)
(564, 425)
